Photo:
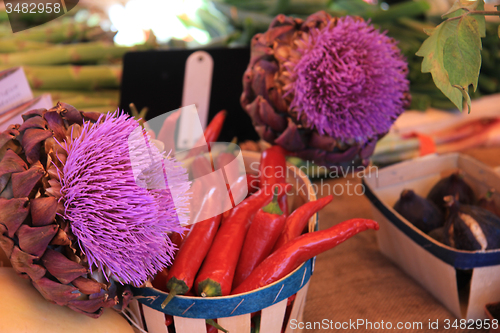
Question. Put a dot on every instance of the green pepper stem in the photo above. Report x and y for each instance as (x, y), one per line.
(176, 287)
(489, 194)
(212, 322)
(209, 288)
(273, 207)
(170, 297)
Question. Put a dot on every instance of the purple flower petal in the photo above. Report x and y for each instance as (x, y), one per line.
(120, 226)
(350, 81)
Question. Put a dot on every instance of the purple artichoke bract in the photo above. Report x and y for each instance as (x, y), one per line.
(326, 88)
(85, 205)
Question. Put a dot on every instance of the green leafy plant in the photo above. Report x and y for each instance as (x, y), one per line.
(235, 22)
(452, 52)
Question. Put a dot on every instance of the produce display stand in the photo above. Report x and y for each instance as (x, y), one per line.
(234, 312)
(250, 67)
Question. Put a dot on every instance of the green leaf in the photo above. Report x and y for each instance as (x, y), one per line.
(452, 52)
(433, 62)
(471, 6)
(465, 95)
(401, 9)
(280, 6)
(429, 31)
(352, 7)
(464, 5)
(462, 54)
(480, 19)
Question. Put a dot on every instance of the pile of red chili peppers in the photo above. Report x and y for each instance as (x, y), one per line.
(255, 243)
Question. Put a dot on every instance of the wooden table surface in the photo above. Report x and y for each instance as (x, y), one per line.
(354, 281)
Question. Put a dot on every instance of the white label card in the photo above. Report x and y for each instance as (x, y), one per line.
(14, 89)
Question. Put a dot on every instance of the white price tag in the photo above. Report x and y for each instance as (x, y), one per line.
(197, 88)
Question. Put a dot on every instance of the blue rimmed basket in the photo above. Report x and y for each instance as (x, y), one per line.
(234, 312)
(435, 266)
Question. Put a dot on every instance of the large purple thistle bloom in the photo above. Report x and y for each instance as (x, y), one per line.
(350, 82)
(121, 222)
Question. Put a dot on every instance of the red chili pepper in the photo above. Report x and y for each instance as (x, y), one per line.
(253, 183)
(216, 274)
(190, 257)
(297, 221)
(224, 159)
(211, 329)
(288, 313)
(178, 238)
(294, 253)
(272, 169)
(283, 203)
(263, 232)
(214, 128)
(169, 320)
(200, 167)
(160, 280)
(194, 249)
(232, 174)
(211, 133)
(167, 130)
(238, 190)
(196, 244)
(225, 215)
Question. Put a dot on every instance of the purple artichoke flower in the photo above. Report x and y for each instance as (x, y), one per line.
(324, 88)
(118, 200)
(350, 81)
(86, 204)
